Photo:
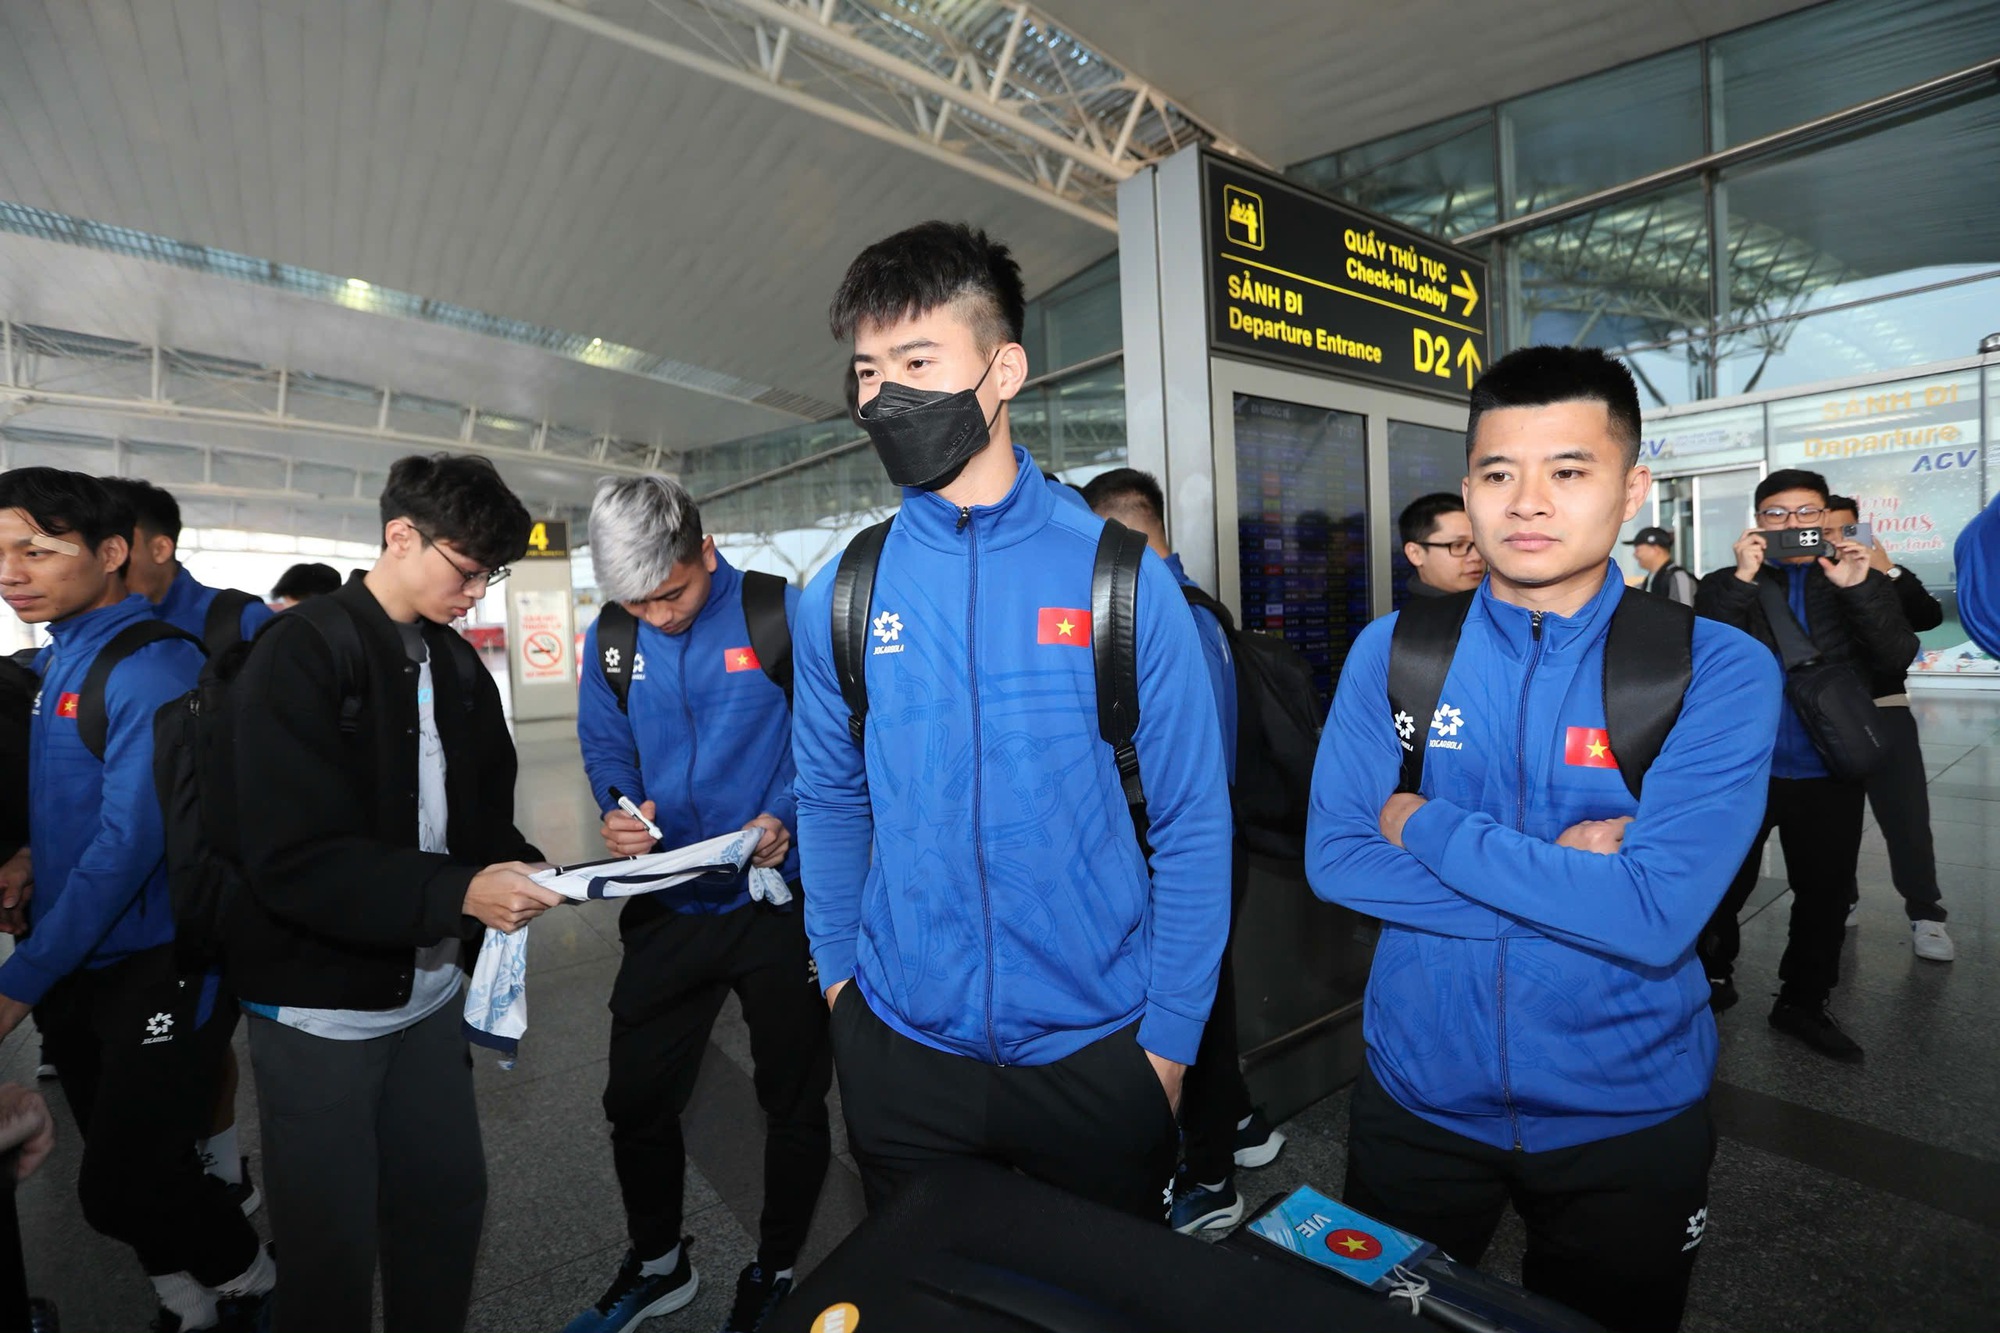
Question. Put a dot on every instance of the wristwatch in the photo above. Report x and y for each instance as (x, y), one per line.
(1895, 571)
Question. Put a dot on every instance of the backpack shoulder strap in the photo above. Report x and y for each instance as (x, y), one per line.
(1648, 662)
(1420, 651)
(770, 632)
(1198, 597)
(853, 594)
(222, 627)
(617, 645)
(1114, 646)
(335, 625)
(93, 719)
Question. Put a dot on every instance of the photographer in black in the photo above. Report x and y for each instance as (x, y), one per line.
(1898, 791)
(1787, 566)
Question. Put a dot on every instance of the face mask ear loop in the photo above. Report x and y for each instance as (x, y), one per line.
(991, 362)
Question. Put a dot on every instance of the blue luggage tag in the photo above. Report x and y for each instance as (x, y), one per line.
(1334, 1236)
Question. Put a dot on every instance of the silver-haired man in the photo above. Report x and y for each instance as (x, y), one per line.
(685, 713)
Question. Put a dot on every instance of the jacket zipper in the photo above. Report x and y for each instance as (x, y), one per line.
(978, 763)
(687, 710)
(1520, 826)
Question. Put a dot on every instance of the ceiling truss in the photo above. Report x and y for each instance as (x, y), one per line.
(996, 89)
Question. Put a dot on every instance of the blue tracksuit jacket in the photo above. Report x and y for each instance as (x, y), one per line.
(980, 879)
(100, 874)
(186, 604)
(708, 738)
(1523, 994)
(1977, 558)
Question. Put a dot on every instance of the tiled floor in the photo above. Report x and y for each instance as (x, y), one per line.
(1843, 1197)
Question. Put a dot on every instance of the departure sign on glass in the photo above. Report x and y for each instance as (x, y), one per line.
(1296, 278)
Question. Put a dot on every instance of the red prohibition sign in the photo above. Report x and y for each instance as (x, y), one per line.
(542, 649)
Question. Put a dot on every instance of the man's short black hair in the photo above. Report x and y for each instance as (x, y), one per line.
(153, 510)
(1419, 520)
(306, 580)
(73, 505)
(1540, 376)
(1124, 488)
(1844, 502)
(459, 498)
(931, 265)
(1790, 479)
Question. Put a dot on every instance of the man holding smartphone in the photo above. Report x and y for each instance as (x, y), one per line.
(1852, 616)
(1898, 791)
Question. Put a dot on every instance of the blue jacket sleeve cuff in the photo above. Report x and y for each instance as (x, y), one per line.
(1428, 832)
(835, 963)
(22, 980)
(1169, 1035)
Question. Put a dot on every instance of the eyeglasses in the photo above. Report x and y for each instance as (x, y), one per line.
(1458, 550)
(1779, 515)
(490, 577)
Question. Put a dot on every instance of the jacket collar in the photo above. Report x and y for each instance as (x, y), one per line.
(181, 594)
(93, 629)
(725, 589)
(1019, 514)
(1174, 568)
(1513, 625)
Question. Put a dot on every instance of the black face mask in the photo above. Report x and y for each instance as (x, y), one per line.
(925, 437)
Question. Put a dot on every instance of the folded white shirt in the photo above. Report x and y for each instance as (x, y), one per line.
(496, 1003)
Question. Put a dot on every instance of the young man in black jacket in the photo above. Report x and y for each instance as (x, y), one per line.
(1899, 791)
(376, 806)
(1852, 616)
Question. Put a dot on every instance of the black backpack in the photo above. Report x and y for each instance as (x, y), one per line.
(194, 774)
(1114, 645)
(1648, 662)
(222, 627)
(1279, 718)
(763, 609)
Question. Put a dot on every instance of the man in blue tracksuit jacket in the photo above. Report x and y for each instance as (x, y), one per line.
(703, 747)
(98, 964)
(1537, 1022)
(1976, 557)
(1025, 991)
(156, 573)
(1220, 1129)
(178, 597)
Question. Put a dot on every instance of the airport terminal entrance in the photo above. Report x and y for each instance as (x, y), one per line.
(1296, 372)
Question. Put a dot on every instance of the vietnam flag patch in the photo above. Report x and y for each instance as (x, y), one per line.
(1588, 747)
(66, 706)
(741, 659)
(1063, 624)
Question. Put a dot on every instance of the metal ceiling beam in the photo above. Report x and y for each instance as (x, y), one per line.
(1065, 146)
(50, 368)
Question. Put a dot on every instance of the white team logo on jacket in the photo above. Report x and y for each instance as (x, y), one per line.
(1445, 722)
(1406, 726)
(638, 666)
(160, 1027)
(888, 628)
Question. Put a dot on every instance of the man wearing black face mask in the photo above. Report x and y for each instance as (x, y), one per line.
(1027, 988)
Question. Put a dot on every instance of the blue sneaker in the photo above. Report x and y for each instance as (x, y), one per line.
(633, 1296)
(1197, 1208)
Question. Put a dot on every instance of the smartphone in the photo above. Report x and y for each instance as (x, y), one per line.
(1791, 543)
(1858, 532)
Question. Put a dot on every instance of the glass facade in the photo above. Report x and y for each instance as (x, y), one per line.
(1862, 247)
(1920, 453)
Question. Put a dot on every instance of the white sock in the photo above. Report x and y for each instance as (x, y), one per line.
(220, 1158)
(1244, 1123)
(664, 1265)
(258, 1278)
(187, 1298)
(1217, 1187)
(782, 1275)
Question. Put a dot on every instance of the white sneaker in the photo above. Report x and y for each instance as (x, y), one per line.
(1930, 941)
(1853, 915)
